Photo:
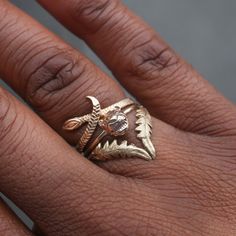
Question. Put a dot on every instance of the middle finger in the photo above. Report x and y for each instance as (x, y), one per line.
(171, 89)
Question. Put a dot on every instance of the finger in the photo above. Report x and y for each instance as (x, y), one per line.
(9, 224)
(42, 174)
(147, 66)
(72, 212)
(54, 78)
(62, 192)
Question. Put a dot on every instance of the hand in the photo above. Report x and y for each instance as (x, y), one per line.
(190, 189)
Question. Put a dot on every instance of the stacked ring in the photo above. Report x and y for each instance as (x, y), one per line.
(113, 121)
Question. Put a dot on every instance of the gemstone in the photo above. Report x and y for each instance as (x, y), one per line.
(115, 122)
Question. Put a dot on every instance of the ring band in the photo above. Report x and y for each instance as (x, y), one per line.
(113, 121)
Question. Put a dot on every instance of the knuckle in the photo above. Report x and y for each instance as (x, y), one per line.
(54, 75)
(151, 59)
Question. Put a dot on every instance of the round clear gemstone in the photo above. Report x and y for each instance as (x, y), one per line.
(115, 122)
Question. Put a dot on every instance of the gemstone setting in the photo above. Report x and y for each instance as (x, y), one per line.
(115, 122)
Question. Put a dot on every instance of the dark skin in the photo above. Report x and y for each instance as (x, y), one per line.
(190, 189)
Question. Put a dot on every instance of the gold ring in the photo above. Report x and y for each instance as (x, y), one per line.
(113, 121)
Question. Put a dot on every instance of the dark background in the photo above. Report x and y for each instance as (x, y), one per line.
(203, 32)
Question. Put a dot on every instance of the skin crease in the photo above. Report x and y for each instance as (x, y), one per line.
(188, 190)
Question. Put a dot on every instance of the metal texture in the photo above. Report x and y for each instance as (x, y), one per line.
(123, 150)
(144, 129)
(92, 124)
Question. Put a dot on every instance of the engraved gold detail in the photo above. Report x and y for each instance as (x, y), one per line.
(76, 122)
(144, 129)
(92, 124)
(114, 150)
